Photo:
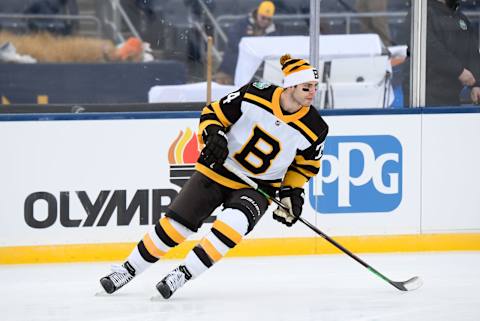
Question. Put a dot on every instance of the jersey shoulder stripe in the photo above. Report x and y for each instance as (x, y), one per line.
(258, 101)
(311, 126)
(265, 93)
(262, 98)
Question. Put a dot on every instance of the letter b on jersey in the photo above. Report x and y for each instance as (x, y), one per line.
(359, 174)
(259, 152)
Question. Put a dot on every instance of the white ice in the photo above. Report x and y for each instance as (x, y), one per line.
(296, 288)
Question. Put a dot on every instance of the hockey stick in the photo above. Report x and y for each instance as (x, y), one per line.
(409, 285)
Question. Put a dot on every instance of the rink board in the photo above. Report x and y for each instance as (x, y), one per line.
(83, 188)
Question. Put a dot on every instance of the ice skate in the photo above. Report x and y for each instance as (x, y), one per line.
(173, 281)
(121, 275)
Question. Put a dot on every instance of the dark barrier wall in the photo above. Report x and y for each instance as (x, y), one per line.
(86, 83)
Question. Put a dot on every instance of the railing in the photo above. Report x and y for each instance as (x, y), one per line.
(113, 19)
(216, 26)
(112, 22)
(203, 34)
(127, 20)
(95, 20)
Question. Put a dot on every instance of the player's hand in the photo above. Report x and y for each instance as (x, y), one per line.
(475, 95)
(467, 78)
(215, 151)
(293, 199)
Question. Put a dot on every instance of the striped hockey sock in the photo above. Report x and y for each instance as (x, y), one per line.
(166, 234)
(227, 231)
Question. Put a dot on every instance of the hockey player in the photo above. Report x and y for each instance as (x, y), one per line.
(271, 134)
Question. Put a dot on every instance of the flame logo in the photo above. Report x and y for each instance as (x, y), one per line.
(184, 149)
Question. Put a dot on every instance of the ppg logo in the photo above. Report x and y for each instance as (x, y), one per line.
(359, 174)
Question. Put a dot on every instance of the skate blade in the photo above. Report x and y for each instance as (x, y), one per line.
(101, 293)
(157, 298)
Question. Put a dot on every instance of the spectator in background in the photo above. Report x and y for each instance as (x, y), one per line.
(378, 24)
(257, 23)
(453, 59)
(52, 7)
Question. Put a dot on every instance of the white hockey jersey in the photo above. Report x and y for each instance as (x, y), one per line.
(265, 143)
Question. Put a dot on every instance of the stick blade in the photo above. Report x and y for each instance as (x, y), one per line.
(409, 285)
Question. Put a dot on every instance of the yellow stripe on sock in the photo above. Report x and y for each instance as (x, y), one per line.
(171, 231)
(226, 230)
(151, 247)
(211, 250)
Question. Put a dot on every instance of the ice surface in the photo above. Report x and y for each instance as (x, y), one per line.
(292, 288)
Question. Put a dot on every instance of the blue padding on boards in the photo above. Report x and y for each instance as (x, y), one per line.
(87, 83)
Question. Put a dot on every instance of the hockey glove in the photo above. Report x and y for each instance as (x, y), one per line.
(293, 199)
(215, 151)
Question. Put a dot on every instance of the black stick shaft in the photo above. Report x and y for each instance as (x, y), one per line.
(307, 223)
(343, 249)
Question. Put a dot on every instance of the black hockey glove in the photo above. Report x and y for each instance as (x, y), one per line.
(215, 151)
(293, 199)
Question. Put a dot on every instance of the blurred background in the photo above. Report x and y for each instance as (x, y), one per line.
(115, 52)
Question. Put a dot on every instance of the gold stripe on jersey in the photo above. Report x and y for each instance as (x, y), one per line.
(219, 178)
(207, 110)
(300, 171)
(274, 106)
(210, 249)
(151, 247)
(299, 159)
(303, 171)
(259, 100)
(294, 179)
(306, 170)
(204, 125)
(306, 130)
(171, 231)
(277, 110)
(221, 116)
(226, 230)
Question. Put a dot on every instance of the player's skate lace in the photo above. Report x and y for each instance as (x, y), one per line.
(120, 276)
(173, 281)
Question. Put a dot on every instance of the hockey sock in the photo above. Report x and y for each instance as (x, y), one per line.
(165, 235)
(227, 231)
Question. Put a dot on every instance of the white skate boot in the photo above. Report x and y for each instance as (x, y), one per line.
(121, 275)
(173, 281)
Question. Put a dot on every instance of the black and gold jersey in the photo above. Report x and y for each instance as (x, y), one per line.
(265, 143)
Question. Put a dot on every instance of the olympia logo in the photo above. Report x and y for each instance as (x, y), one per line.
(79, 209)
(99, 208)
